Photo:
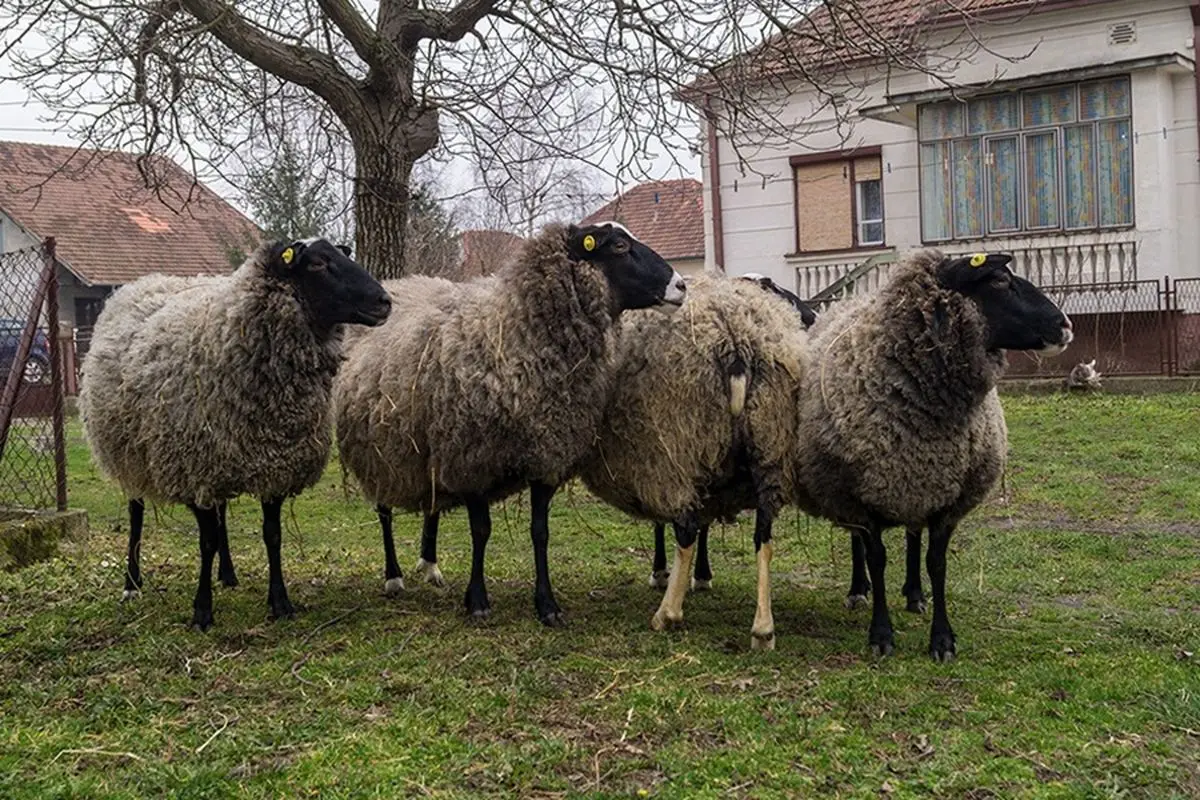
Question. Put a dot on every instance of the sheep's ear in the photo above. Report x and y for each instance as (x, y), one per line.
(345, 248)
(959, 273)
(584, 244)
(287, 256)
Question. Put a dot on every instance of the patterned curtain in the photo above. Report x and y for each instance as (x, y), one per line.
(1115, 164)
(968, 188)
(1004, 184)
(935, 191)
(1041, 180)
(1079, 158)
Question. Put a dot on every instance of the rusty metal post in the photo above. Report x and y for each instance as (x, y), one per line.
(8, 399)
(56, 375)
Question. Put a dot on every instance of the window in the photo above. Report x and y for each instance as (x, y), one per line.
(839, 201)
(1051, 159)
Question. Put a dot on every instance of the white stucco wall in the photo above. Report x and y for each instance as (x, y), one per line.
(757, 200)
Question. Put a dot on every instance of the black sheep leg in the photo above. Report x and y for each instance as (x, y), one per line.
(393, 580)
(225, 569)
(914, 597)
(539, 529)
(881, 637)
(859, 584)
(480, 518)
(277, 597)
(659, 574)
(133, 567)
(941, 635)
(427, 563)
(209, 523)
(703, 578)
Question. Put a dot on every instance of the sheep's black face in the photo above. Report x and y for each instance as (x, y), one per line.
(1019, 316)
(639, 277)
(336, 289)
(807, 315)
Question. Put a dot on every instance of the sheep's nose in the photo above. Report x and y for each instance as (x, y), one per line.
(1067, 322)
(676, 290)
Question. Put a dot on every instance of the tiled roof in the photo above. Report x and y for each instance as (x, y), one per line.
(111, 230)
(666, 215)
(484, 251)
(846, 33)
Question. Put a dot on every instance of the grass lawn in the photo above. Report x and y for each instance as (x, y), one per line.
(1076, 599)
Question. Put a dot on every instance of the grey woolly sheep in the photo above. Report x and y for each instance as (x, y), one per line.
(225, 390)
(698, 426)
(900, 422)
(126, 313)
(1084, 377)
(474, 391)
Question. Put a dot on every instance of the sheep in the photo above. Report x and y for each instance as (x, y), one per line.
(128, 310)
(900, 422)
(699, 422)
(225, 390)
(477, 390)
(1083, 377)
(702, 580)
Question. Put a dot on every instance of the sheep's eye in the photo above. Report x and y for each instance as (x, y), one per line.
(1001, 281)
(620, 247)
(316, 265)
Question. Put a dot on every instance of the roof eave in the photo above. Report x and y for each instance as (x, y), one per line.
(32, 234)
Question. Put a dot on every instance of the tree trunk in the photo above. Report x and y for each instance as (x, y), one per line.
(385, 147)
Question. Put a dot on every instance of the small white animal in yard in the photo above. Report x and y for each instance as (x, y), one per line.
(1084, 377)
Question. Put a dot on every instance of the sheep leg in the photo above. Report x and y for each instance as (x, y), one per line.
(393, 580)
(544, 603)
(762, 633)
(480, 518)
(277, 596)
(941, 635)
(659, 574)
(881, 637)
(225, 571)
(859, 585)
(670, 610)
(427, 563)
(912, 573)
(202, 607)
(702, 581)
(133, 567)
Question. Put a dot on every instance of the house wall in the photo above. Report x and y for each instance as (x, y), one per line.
(758, 200)
(688, 266)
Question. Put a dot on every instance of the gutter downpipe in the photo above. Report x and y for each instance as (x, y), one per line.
(1195, 9)
(714, 178)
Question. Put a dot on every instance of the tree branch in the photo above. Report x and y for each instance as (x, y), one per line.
(356, 29)
(297, 64)
(449, 26)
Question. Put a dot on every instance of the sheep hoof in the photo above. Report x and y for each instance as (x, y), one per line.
(228, 578)
(941, 646)
(661, 622)
(130, 594)
(202, 619)
(393, 586)
(762, 641)
(479, 616)
(555, 619)
(882, 649)
(916, 605)
(660, 578)
(701, 584)
(432, 574)
(282, 608)
(853, 601)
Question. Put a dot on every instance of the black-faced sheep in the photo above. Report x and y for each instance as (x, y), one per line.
(900, 422)
(224, 389)
(477, 390)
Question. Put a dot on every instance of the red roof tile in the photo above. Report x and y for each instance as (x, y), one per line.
(484, 251)
(108, 227)
(666, 215)
(846, 33)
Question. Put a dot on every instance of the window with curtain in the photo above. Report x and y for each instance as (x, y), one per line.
(839, 203)
(1049, 159)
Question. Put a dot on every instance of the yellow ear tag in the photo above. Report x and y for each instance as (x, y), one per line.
(978, 259)
(589, 243)
(286, 256)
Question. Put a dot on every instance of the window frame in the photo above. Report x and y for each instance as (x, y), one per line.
(848, 157)
(1022, 133)
(859, 219)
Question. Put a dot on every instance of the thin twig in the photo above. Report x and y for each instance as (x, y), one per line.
(92, 751)
(328, 623)
(218, 732)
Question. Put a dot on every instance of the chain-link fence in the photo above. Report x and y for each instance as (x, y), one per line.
(32, 441)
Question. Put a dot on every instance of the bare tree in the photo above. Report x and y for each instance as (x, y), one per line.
(205, 80)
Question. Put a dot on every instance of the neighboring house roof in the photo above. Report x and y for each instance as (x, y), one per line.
(666, 215)
(485, 251)
(847, 33)
(109, 229)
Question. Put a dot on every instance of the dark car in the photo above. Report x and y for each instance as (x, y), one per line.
(37, 366)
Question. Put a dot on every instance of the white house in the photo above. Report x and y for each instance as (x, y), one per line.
(1070, 139)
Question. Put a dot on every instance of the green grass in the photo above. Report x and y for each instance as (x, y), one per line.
(1076, 599)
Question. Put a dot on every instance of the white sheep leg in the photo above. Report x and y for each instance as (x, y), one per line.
(670, 611)
(393, 586)
(762, 633)
(430, 571)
